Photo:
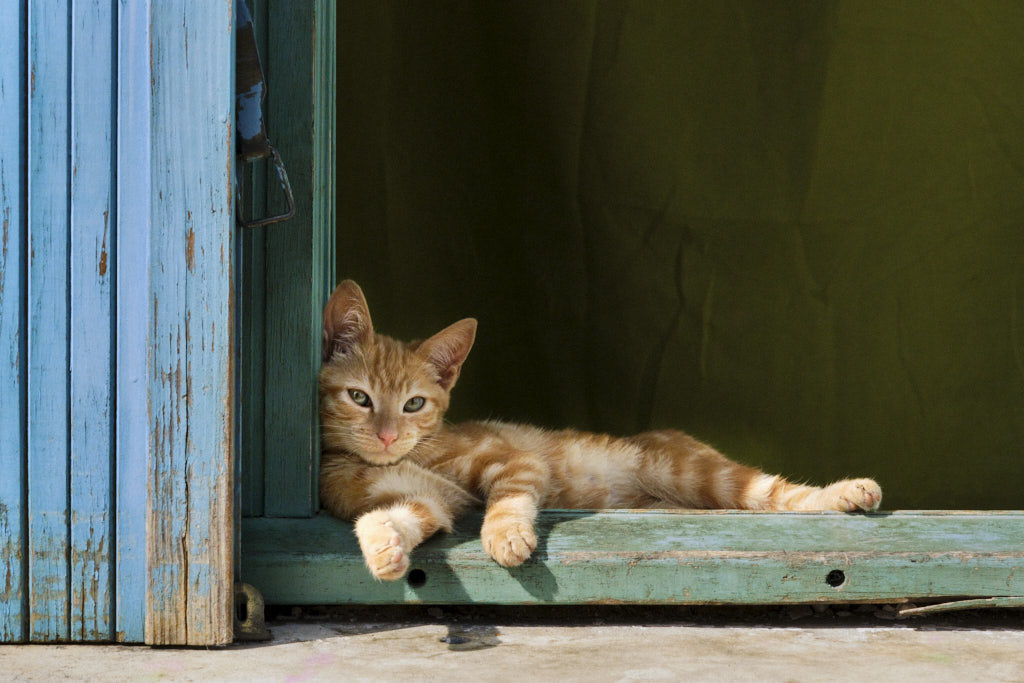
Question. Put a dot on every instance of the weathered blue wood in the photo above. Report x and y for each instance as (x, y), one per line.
(190, 508)
(12, 323)
(133, 319)
(48, 315)
(102, 97)
(665, 557)
(93, 264)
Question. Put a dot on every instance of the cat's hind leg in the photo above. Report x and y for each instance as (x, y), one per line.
(772, 492)
(680, 470)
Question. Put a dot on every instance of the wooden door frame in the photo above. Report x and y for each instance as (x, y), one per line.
(585, 557)
(288, 268)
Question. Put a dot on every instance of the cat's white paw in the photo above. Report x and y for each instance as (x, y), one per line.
(509, 541)
(857, 494)
(383, 550)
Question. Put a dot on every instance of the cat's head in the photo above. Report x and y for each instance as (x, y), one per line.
(380, 397)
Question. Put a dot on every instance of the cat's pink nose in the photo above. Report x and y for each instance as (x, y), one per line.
(387, 438)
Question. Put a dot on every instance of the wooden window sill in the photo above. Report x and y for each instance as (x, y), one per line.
(659, 557)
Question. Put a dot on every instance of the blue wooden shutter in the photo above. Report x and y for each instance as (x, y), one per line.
(191, 391)
(12, 325)
(116, 321)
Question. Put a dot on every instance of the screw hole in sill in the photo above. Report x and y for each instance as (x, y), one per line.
(417, 578)
(836, 578)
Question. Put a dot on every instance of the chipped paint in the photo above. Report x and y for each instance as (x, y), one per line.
(185, 381)
(669, 557)
(190, 249)
(13, 184)
(6, 229)
(3, 251)
(189, 514)
(103, 246)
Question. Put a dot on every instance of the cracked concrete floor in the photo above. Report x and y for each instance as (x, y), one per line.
(587, 644)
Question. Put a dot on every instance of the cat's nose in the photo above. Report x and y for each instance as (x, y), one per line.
(387, 437)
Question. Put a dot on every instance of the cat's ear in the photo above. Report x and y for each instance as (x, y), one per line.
(447, 350)
(346, 320)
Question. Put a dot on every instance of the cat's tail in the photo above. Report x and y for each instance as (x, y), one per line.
(681, 471)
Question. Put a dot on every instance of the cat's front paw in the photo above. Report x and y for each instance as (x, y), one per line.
(857, 494)
(383, 550)
(509, 541)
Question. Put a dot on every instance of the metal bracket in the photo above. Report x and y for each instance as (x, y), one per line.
(978, 603)
(253, 143)
(249, 616)
(289, 198)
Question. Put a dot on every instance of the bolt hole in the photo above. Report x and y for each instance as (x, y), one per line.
(417, 578)
(835, 578)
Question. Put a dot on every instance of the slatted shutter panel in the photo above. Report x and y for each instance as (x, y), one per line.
(116, 322)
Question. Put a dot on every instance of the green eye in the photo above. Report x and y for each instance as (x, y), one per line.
(360, 398)
(414, 404)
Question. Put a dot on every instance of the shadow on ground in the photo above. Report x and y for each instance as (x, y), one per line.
(478, 627)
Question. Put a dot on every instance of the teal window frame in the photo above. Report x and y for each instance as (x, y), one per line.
(295, 555)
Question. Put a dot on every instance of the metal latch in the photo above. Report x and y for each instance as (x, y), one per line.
(250, 621)
(250, 91)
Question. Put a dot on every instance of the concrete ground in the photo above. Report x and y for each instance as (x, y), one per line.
(570, 644)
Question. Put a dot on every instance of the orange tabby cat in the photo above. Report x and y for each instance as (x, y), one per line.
(392, 464)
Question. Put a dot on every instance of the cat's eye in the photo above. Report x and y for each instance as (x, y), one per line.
(360, 398)
(414, 404)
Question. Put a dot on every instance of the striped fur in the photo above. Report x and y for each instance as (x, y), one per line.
(392, 464)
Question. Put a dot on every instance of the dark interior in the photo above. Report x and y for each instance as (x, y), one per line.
(795, 230)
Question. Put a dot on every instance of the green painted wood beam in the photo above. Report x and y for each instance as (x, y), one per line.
(659, 557)
(288, 268)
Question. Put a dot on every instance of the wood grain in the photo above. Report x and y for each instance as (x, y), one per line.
(133, 321)
(191, 400)
(93, 235)
(12, 324)
(49, 208)
(297, 251)
(117, 344)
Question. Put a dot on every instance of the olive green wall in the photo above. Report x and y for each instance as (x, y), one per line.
(793, 229)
